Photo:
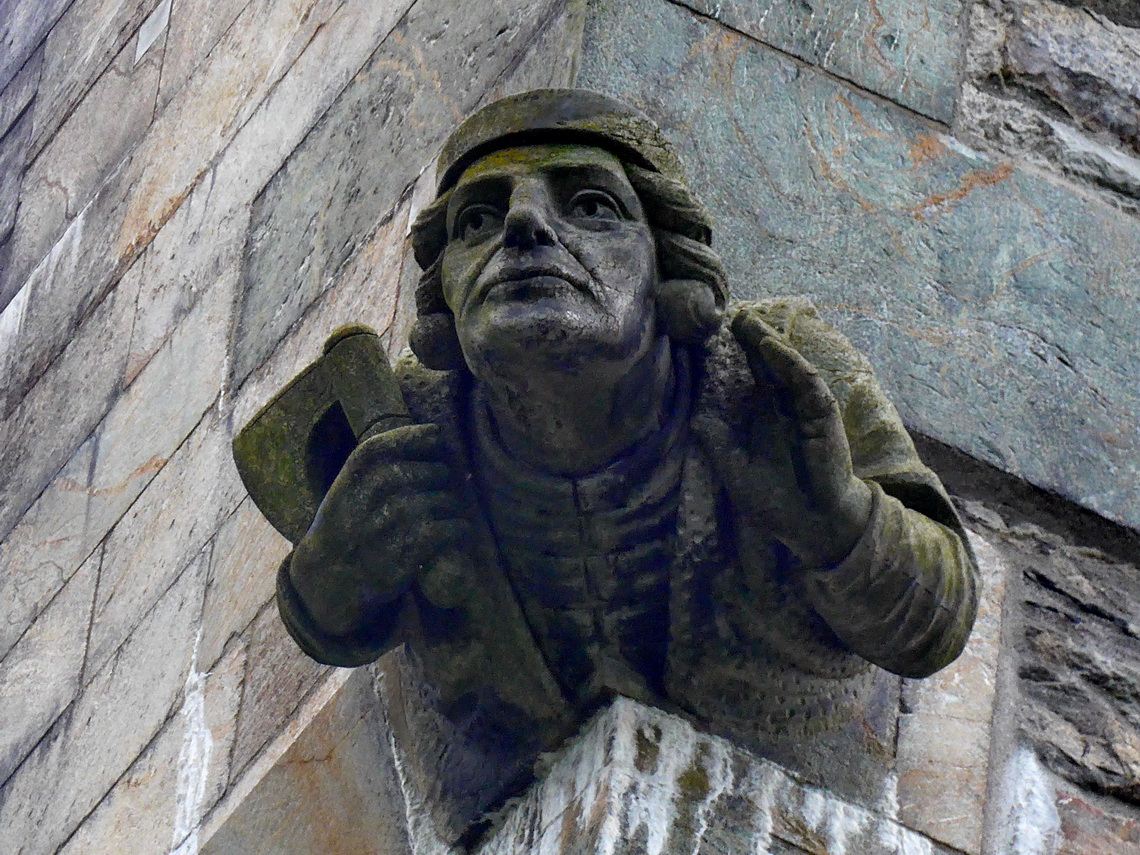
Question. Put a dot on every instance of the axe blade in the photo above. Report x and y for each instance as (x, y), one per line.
(290, 452)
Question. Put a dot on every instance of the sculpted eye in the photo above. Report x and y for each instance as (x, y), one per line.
(594, 205)
(477, 221)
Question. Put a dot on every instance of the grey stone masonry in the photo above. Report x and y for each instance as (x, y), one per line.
(194, 195)
(997, 306)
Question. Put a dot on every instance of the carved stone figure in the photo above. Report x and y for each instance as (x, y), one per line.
(607, 480)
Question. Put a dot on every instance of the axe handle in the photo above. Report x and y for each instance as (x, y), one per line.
(364, 382)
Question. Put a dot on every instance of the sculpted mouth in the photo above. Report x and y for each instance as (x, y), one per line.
(533, 281)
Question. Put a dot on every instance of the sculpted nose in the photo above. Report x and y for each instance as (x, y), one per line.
(526, 228)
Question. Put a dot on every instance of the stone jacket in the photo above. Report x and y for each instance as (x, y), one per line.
(757, 647)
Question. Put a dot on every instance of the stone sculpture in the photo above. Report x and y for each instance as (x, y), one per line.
(606, 480)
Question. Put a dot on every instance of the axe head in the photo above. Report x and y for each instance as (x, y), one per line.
(292, 450)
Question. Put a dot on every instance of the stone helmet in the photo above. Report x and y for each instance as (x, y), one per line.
(692, 291)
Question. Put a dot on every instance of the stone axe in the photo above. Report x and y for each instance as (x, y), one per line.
(290, 452)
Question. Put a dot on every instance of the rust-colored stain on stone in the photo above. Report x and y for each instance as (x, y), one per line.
(925, 148)
(971, 181)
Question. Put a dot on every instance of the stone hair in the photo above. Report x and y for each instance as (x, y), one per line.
(690, 296)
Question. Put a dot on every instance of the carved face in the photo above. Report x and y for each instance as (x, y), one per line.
(549, 260)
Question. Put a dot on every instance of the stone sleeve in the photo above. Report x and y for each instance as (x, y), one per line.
(343, 651)
(905, 597)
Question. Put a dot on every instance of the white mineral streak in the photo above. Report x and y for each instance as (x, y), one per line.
(152, 28)
(595, 786)
(42, 279)
(11, 322)
(420, 819)
(1031, 826)
(762, 787)
(193, 760)
(651, 802)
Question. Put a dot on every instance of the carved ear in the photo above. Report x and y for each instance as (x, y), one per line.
(689, 310)
(434, 341)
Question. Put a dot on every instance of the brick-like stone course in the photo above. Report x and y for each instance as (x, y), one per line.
(79, 49)
(106, 728)
(103, 127)
(993, 301)
(41, 675)
(907, 51)
(18, 94)
(1059, 86)
(336, 789)
(22, 28)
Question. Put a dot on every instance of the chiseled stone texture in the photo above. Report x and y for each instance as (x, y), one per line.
(945, 730)
(79, 49)
(995, 305)
(22, 27)
(179, 775)
(1080, 660)
(1059, 87)
(335, 790)
(906, 50)
(366, 152)
(637, 780)
(120, 710)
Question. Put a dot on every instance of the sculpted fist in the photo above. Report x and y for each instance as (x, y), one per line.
(792, 475)
(391, 511)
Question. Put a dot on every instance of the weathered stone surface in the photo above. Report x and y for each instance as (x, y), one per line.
(207, 234)
(18, 94)
(1042, 814)
(172, 520)
(22, 28)
(49, 424)
(113, 465)
(41, 675)
(1124, 12)
(944, 735)
(13, 159)
(1080, 661)
(1009, 296)
(1020, 129)
(141, 812)
(102, 733)
(639, 781)
(40, 554)
(60, 181)
(169, 163)
(88, 38)
(1091, 825)
(1084, 65)
(243, 572)
(366, 292)
(194, 32)
(1058, 87)
(277, 679)
(336, 789)
(906, 51)
(367, 151)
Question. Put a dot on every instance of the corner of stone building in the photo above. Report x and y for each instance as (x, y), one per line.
(956, 183)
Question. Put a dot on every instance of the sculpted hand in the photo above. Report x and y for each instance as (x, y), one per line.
(392, 510)
(791, 474)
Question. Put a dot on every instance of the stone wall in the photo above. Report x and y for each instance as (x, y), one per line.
(193, 195)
